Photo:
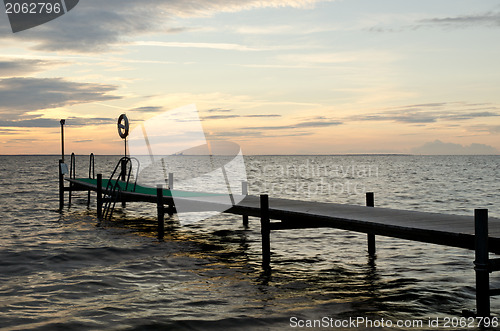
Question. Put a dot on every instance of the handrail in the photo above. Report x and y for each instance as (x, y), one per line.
(72, 174)
(113, 190)
(91, 166)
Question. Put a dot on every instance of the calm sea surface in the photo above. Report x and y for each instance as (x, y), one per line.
(66, 270)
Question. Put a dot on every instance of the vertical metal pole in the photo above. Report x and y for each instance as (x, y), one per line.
(123, 175)
(170, 181)
(370, 202)
(91, 174)
(61, 186)
(265, 231)
(244, 191)
(62, 138)
(160, 210)
(99, 196)
(482, 263)
(171, 208)
(72, 169)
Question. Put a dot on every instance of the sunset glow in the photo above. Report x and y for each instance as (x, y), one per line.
(276, 77)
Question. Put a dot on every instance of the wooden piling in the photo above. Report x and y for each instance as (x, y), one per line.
(160, 211)
(265, 230)
(482, 263)
(370, 202)
(61, 185)
(244, 191)
(99, 196)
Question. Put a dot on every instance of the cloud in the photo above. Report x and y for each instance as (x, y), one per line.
(152, 109)
(491, 19)
(438, 147)
(220, 46)
(223, 116)
(219, 117)
(263, 115)
(432, 112)
(304, 124)
(219, 110)
(22, 95)
(96, 25)
(492, 129)
(22, 67)
(38, 122)
(8, 131)
(242, 135)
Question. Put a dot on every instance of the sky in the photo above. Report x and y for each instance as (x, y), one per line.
(275, 77)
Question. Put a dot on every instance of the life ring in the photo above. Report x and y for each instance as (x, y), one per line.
(123, 128)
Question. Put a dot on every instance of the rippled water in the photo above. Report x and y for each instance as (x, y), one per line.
(67, 270)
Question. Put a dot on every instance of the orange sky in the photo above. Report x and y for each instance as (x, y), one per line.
(276, 77)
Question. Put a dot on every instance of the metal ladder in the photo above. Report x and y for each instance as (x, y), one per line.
(118, 182)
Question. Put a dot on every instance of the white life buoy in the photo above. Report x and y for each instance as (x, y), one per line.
(123, 127)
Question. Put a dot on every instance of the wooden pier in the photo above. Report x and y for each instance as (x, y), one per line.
(476, 232)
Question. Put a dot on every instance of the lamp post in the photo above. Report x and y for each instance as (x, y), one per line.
(62, 138)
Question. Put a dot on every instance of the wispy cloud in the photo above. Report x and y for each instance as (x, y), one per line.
(97, 25)
(431, 112)
(262, 115)
(225, 114)
(219, 110)
(21, 95)
(221, 46)
(484, 128)
(21, 67)
(148, 109)
(219, 117)
(54, 123)
(491, 19)
(244, 135)
(299, 125)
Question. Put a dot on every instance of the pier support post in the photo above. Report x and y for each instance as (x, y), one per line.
(482, 263)
(123, 174)
(61, 185)
(170, 181)
(244, 191)
(160, 211)
(370, 202)
(99, 196)
(265, 230)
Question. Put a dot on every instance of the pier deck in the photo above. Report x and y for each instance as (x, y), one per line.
(435, 228)
(442, 229)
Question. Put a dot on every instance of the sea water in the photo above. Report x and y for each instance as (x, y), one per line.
(68, 270)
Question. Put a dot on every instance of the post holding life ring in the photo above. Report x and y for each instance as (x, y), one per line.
(123, 128)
